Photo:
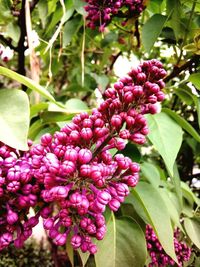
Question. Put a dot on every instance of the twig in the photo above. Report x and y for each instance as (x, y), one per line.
(34, 61)
(54, 253)
(185, 66)
(195, 175)
(186, 30)
(114, 59)
(83, 56)
(8, 42)
(21, 47)
(137, 33)
(105, 142)
(55, 35)
(33, 4)
(121, 28)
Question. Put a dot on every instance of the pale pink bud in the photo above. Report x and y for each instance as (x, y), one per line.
(84, 156)
(114, 204)
(60, 239)
(76, 241)
(86, 134)
(12, 217)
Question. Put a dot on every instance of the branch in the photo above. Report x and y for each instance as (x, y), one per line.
(21, 48)
(105, 142)
(33, 4)
(114, 59)
(54, 253)
(34, 61)
(137, 33)
(177, 70)
(195, 175)
(8, 42)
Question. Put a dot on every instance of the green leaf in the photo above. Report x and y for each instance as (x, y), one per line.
(197, 104)
(189, 195)
(174, 9)
(166, 136)
(133, 200)
(70, 251)
(195, 79)
(197, 262)
(58, 13)
(190, 47)
(14, 118)
(35, 109)
(155, 6)
(43, 11)
(55, 18)
(13, 31)
(54, 107)
(192, 227)
(132, 151)
(56, 116)
(151, 30)
(151, 173)
(128, 210)
(84, 257)
(177, 184)
(173, 211)
(123, 245)
(102, 80)
(70, 30)
(157, 214)
(75, 104)
(79, 7)
(75, 87)
(184, 95)
(183, 123)
(27, 82)
(5, 11)
(35, 128)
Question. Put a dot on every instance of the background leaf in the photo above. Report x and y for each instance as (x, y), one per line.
(70, 30)
(183, 123)
(195, 79)
(27, 82)
(151, 30)
(174, 9)
(157, 214)
(84, 257)
(79, 6)
(151, 173)
(192, 227)
(14, 118)
(75, 104)
(123, 245)
(43, 11)
(166, 136)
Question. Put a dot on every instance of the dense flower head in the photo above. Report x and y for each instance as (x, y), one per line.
(100, 13)
(81, 183)
(72, 176)
(18, 193)
(158, 255)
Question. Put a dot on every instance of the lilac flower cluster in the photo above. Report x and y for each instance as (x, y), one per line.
(159, 257)
(18, 192)
(71, 177)
(76, 167)
(100, 13)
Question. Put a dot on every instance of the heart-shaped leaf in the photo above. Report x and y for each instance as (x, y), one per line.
(14, 118)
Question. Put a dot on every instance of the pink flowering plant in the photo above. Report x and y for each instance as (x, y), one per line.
(107, 166)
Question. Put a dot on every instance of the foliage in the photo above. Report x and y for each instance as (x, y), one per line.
(31, 255)
(60, 74)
